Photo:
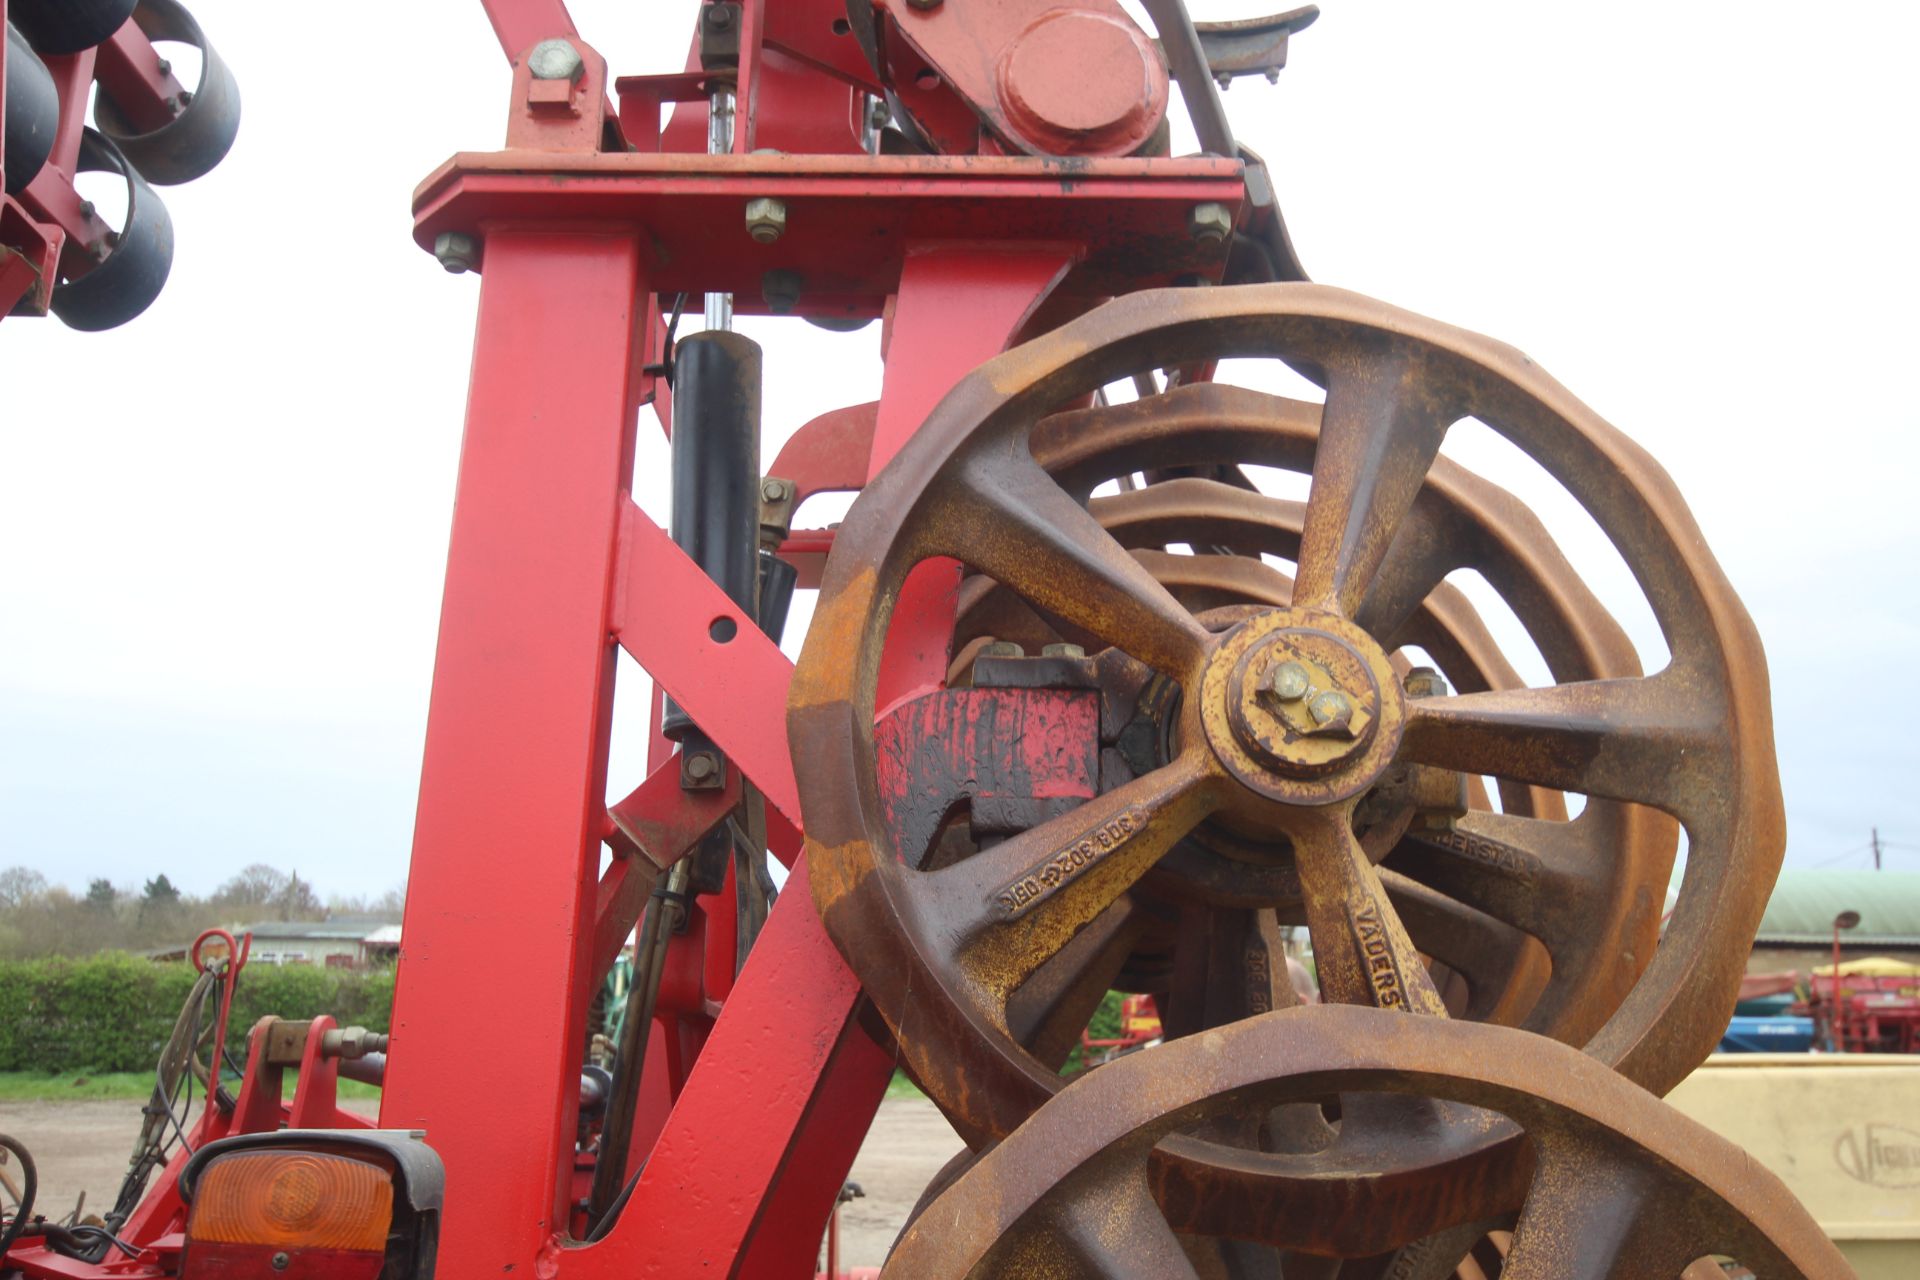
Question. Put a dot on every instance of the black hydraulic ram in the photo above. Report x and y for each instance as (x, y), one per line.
(716, 470)
(716, 521)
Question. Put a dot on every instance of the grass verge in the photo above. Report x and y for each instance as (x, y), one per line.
(75, 1086)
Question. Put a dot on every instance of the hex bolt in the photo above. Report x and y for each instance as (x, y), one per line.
(1287, 681)
(1001, 649)
(766, 219)
(556, 60)
(700, 766)
(1425, 682)
(781, 288)
(458, 252)
(1062, 651)
(1331, 711)
(1210, 223)
(719, 16)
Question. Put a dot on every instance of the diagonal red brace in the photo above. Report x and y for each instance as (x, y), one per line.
(664, 611)
(661, 820)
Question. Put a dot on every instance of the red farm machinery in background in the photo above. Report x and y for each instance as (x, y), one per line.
(1098, 764)
(58, 252)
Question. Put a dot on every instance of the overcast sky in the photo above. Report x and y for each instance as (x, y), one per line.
(222, 527)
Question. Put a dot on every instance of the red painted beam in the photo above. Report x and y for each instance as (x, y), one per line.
(489, 1016)
(520, 24)
(945, 289)
(729, 1141)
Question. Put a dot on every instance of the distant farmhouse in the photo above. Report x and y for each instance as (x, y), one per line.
(336, 944)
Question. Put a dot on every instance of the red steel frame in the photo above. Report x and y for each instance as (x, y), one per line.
(552, 565)
(758, 1089)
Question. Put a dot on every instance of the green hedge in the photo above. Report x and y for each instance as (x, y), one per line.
(114, 1012)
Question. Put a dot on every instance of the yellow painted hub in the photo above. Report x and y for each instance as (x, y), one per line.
(1302, 706)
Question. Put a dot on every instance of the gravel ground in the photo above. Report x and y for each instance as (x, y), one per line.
(83, 1146)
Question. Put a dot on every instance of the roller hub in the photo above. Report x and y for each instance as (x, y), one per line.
(1293, 705)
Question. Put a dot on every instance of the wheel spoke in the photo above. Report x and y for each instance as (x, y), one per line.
(1452, 632)
(1231, 964)
(1642, 739)
(1575, 1226)
(1360, 945)
(1417, 562)
(1111, 1226)
(1505, 970)
(1013, 523)
(1048, 1014)
(1005, 911)
(1518, 870)
(1379, 434)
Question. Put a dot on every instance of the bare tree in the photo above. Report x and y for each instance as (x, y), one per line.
(20, 886)
(255, 886)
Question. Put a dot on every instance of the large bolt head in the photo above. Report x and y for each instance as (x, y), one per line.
(1210, 223)
(1287, 682)
(766, 219)
(1425, 682)
(457, 251)
(556, 60)
(1332, 712)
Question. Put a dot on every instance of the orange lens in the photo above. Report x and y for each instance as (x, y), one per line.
(296, 1198)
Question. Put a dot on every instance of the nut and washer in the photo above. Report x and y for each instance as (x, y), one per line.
(1425, 682)
(700, 766)
(1210, 223)
(1062, 651)
(457, 251)
(1001, 649)
(766, 219)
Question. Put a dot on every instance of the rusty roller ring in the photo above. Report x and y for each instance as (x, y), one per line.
(201, 134)
(1594, 906)
(1694, 740)
(127, 281)
(1591, 890)
(1622, 1185)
